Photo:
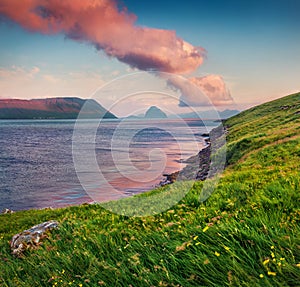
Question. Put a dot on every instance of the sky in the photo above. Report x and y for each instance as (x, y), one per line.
(237, 54)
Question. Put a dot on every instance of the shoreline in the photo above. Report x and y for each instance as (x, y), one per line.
(197, 167)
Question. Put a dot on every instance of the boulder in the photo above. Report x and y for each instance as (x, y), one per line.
(7, 210)
(31, 237)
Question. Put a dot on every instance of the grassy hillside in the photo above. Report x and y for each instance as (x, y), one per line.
(246, 234)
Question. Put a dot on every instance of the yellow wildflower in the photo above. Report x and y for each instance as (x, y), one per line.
(217, 253)
(298, 265)
(205, 228)
(261, 275)
(271, 273)
(272, 247)
(195, 238)
(266, 261)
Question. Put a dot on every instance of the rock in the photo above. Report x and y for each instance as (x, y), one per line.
(7, 210)
(170, 178)
(206, 135)
(31, 237)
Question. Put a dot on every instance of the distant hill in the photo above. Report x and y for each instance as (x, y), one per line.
(52, 108)
(155, 113)
(209, 114)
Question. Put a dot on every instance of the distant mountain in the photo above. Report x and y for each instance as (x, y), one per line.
(228, 113)
(52, 108)
(155, 113)
(210, 114)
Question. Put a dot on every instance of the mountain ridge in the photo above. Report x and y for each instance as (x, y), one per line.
(52, 108)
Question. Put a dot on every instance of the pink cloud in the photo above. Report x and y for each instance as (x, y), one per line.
(108, 28)
(201, 91)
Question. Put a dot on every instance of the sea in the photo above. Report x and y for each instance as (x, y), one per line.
(57, 163)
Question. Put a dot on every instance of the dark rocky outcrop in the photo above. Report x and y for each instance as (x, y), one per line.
(169, 178)
(200, 166)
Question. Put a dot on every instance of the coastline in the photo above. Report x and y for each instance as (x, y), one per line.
(198, 166)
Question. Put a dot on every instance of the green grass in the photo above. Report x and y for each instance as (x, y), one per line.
(246, 234)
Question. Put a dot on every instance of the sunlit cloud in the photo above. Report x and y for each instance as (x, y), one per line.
(109, 28)
(112, 29)
(201, 91)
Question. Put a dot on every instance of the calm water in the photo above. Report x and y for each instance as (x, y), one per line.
(37, 164)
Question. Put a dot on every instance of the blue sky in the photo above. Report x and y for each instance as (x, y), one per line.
(253, 45)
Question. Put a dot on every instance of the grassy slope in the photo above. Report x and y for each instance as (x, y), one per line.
(253, 216)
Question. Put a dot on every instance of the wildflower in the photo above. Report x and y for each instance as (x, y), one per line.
(206, 261)
(272, 254)
(226, 248)
(198, 243)
(261, 275)
(195, 238)
(282, 259)
(271, 273)
(266, 261)
(217, 253)
(205, 228)
(63, 271)
(180, 248)
(272, 247)
(298, 265)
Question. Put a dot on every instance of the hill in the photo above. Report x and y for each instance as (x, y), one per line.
(246, 234)
(210, 114)
(155, 113)
(51, 108)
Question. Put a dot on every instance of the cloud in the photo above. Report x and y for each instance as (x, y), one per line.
(15, 71)
(25, 83)
(201, 91)
(109, 28)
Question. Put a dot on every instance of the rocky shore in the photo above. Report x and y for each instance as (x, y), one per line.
(198, 166)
